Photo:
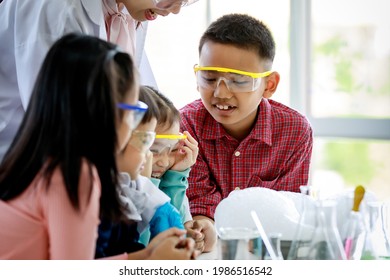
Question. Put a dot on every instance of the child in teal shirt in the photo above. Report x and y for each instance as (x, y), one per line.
(174, 154)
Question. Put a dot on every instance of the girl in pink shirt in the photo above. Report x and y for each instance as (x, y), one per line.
(59, 176)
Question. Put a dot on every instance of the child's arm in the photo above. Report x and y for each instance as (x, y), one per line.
(174, 184)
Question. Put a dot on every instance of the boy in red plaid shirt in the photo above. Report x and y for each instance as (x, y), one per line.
(245, 139)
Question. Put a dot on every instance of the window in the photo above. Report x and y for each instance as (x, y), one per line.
(349, 94)
(351, 59)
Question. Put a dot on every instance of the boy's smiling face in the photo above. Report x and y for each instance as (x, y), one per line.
(235, 111)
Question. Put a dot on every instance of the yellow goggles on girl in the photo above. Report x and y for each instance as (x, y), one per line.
(209, 78)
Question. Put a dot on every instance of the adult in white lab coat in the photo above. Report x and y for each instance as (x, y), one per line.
(29, 27)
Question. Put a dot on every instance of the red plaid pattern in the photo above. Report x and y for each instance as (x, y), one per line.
(275, 155)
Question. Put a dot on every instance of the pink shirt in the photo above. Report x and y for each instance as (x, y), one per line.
(41, 223)
(121, 27)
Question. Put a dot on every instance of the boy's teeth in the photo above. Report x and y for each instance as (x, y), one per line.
(222, 107)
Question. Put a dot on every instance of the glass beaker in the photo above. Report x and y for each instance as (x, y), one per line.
(326, 242)
(275, 240)
(301, 242)
(375, 240)
(353, 235)
(239, 243)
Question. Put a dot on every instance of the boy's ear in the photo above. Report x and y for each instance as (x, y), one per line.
(271, 85)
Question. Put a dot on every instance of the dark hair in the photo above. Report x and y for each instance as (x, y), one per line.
(71, 117)
(168, 112)
(146, 95)
(242, 31)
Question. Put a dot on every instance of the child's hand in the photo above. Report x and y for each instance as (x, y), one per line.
(203, 232)
(147, 171)
(165, 234)
(187, 153)
(170, 244)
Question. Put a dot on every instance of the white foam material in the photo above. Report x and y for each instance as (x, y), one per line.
(278, 211)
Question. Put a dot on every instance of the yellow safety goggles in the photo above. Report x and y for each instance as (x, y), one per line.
(171, 136)
(209, 78)
(166, 143)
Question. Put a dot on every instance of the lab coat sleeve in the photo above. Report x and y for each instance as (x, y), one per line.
(38, 27)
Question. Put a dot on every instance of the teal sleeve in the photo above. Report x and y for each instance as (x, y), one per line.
(174, 184)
